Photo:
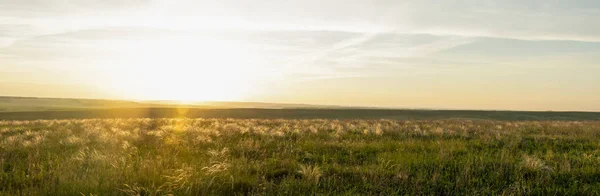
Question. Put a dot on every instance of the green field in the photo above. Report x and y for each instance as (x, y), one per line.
(299, 157)
(256, 113)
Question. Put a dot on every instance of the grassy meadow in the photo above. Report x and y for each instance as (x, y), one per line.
(185, 156)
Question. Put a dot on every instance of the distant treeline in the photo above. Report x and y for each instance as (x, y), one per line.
(298, 114)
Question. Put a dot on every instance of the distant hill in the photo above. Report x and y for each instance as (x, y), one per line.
(255, 113)
(263, 105)
(12, 104)
(30, 108)
(18, 104)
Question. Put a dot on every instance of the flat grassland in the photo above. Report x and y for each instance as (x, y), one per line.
(298, 157)
(298, 113)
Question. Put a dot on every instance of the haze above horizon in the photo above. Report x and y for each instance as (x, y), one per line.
(470, 54)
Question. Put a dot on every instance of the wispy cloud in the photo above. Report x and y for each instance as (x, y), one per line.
(317, 58)
(515, 19)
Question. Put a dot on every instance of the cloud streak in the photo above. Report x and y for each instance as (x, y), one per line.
(515, 19)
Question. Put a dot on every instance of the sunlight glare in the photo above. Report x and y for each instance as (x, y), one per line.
(187, 69)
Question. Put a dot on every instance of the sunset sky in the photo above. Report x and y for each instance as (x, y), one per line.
(469, 54)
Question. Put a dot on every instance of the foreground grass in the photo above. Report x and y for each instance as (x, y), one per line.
(299, 157)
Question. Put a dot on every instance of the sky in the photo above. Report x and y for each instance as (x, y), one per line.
(462, 54)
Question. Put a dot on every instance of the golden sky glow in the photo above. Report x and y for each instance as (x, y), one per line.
(518, 55)
(189, 69)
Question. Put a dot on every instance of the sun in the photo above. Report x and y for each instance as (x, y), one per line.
(187, 69)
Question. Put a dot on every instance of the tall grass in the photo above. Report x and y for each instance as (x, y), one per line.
(300, 157)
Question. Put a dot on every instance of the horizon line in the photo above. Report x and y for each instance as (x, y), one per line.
(315, 106)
